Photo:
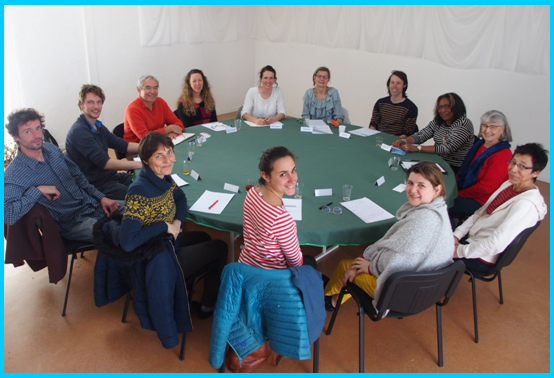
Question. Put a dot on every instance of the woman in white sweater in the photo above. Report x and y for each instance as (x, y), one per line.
(421, 240)
(515, 206)
(265, 103)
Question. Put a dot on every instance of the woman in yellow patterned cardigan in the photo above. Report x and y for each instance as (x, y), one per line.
(155, 206)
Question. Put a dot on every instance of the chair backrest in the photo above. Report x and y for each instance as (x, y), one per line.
(346, 117)
(118, 132)
(410, 293)
(239, 116)
(47, 137)
(514, 247)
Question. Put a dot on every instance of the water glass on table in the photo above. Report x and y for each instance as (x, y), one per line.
(186, 167)
(250, 183)
(395, 163)
(238, 124)
(346, 192)
(378, 141)
(298, 190)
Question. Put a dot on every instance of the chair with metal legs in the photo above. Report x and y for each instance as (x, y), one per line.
(404, 294)
(190, 283)
(504, 260)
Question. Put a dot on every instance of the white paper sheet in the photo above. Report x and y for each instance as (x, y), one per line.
(215, 126)
(208, 199)
(315, 122)
(294, 207)
(324, 129)
(367, 210)
(364, 131)
(179, 181)
(254, 125)
(182, 137)
(399, 188)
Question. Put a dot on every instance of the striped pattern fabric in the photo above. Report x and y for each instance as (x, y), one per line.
(452, 143)
(502, 197)
(396, 119)
(270, 240)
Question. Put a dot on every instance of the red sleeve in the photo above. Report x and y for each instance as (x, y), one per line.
(492, 175)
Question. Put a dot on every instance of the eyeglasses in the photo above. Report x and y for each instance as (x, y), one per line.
(447, 107)
(519, 166)
(324, 77)
(336, 210)
(492, 127)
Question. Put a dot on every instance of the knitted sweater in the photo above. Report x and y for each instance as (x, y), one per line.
(421, 240)
(150, 202)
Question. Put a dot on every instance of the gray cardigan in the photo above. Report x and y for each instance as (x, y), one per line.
(421, 240)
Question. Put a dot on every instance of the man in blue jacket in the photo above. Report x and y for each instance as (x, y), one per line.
(87, 145)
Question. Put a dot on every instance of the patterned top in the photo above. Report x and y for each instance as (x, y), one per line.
(327, 109)
(78, 199)
(452, 143)
(502, 197)
(396, 119)
(199, 117)
(270, 240)
(150, 202)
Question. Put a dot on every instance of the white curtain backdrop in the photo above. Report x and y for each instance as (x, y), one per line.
(174, 24)
(507, 37)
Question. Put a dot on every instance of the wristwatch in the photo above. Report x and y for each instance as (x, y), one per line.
(418, 148)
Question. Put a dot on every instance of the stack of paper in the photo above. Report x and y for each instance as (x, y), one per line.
(367, 210)
(216, 126)
(254, 124)
(182, 137)
(364, 131)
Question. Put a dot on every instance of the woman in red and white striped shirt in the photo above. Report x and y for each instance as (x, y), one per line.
(270, 240)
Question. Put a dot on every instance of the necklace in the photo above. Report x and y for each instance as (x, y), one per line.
(276, 196)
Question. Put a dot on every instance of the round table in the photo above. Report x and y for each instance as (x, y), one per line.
(324, 161)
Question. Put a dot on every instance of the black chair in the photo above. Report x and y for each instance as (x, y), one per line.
(405, 294)
(190, 282)
(47, 137)
(118, 132)
(74, 247)
(504, 259)
(238, 113)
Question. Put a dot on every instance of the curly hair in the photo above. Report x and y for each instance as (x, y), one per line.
(90, 88)
(187, 93)
(21, 117)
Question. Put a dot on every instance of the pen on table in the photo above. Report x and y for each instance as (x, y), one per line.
(213, 204)
(330, 203)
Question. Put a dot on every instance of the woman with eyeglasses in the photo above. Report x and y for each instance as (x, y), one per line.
(395, 114)
(196, 104)
(484, 168)
(451, 131)
(421, 240)
(515, 206)
(322, 101)
(264, 104)
(270, 239)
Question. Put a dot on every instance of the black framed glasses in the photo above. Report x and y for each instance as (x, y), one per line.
(519, 165)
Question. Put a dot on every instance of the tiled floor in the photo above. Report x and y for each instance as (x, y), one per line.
(514, 337)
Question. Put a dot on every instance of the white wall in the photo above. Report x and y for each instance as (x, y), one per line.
(360, 78)
(56, 49)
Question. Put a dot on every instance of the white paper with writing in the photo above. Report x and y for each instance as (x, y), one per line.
(294, 207)
(367, 210)
(231, 188)
(217, 201)
(323, 192)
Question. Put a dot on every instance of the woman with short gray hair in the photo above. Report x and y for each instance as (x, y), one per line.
(485, 166)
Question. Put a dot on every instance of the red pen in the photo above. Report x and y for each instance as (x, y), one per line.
(213, 204)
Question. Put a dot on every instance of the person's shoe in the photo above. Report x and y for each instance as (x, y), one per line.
(205, 313)
(329, 304)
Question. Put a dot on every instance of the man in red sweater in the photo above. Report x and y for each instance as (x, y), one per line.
(149, 113)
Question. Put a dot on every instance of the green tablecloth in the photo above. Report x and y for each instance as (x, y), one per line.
(324, 161)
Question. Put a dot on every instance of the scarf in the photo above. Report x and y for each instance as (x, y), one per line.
(467, 175)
